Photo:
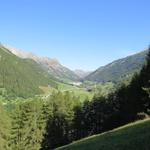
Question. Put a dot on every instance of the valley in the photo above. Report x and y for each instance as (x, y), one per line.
(45, 105)
(57, 77)
(74, 75)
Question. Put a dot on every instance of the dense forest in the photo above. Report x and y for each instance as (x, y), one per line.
(22, 77)
(44, 123)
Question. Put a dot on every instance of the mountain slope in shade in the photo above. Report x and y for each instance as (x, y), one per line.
(22, 77)
(53, 66)
(119, 69)
(82, 73)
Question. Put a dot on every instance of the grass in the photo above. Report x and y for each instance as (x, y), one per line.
(82, 94)
(134, 136)
(66, 87)
(79, 92)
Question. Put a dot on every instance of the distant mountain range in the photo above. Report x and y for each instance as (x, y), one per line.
(22, 74)
(53, 66)
(120, 69)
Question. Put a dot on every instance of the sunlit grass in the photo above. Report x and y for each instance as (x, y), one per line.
(133, 136)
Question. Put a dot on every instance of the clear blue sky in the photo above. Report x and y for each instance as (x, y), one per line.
(80, 33)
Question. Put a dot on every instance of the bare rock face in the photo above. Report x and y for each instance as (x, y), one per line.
(51, 62)
(22, 54)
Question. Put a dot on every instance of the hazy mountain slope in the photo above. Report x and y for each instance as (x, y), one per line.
(22, 77)
(119, 69)
(82, 73)
(133, 136)
(53, 66)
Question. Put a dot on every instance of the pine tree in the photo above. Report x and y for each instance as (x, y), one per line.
(28, 125)
(58, 130)
(4, 129)
(17, 131)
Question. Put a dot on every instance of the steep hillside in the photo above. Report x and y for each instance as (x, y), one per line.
(21, 77)
(135, 136)
(56, 69)
(53, 66)
(119, 69)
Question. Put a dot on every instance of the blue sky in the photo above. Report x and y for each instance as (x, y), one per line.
(82, 34)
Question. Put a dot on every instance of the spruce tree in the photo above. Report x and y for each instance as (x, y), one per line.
(4, 129)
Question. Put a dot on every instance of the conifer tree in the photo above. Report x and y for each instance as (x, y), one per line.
(4, 129)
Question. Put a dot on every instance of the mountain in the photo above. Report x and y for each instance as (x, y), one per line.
(82, 73)
(56, 69)
(22, 77)
(119, 69)
(53, 66)
(134, 136)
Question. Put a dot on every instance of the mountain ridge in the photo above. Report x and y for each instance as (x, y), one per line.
(115, 71)
(122, 68)
(52, 65)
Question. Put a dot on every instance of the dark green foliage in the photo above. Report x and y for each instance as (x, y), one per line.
(119, 70)
(38, 123)
(139, 99)
(28, 125)
(4, 129)
(59, 125)
(22, 77)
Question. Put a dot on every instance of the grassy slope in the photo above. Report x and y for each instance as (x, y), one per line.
(135, 136)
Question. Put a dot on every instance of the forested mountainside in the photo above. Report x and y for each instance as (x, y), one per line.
(121, 69)
(52, 66)
(21, 77)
